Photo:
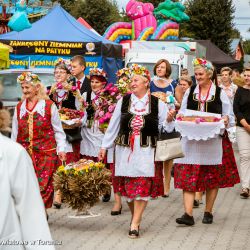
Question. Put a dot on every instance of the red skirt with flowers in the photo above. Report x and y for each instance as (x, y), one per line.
(45, 167)
(75, 155)
(198, 178)
(115, 179)
(141, 187)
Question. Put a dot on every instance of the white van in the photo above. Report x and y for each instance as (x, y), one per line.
(12, 90)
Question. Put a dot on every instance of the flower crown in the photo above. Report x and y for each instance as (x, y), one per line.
(65, 62)
(137, 69)
(202, 62)
(28, 77)
(97, 72)
(124, 71)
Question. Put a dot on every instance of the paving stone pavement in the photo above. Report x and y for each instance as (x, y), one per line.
(230, 230)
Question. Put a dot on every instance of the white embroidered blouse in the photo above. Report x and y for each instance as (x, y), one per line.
(140, 161)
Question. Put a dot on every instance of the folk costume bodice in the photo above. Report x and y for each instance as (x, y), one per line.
(35, 131)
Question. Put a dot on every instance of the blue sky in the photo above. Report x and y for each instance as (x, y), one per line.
(242, 10)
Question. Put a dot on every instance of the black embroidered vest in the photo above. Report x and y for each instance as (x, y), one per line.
(149, 130)
(213, 106)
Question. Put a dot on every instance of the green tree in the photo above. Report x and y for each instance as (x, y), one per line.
(246, 46)
(235, 33)
(98, 13)
(212, 20)
(154, 2)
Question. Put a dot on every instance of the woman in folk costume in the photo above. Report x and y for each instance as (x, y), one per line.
(65, 95)
(208, 165)
(37, 127)
(123, 81)
(134, 129)
(91, 134)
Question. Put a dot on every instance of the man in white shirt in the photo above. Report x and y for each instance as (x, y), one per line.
(78, 66)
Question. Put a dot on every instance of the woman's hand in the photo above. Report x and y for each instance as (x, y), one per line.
(226, 120)
(247, 128)
(102, 154)
(171, 115)
(62, 156)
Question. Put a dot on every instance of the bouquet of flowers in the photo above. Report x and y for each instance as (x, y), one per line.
(123, 81)
(69, 117)
(69, 87)
(104, 104)
(82, 183)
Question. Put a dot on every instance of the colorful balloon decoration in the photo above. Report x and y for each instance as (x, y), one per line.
(119, 31)
(146, 34)
(147, 23)
(141, 15)
(169, 10)
(19, 21)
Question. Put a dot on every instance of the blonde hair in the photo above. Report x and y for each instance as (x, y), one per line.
(239, 81)
(186, 79)
(42, 91)
(145, 79)
(209, 71)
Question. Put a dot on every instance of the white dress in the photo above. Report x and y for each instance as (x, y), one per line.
(140, 161)
(91, 137)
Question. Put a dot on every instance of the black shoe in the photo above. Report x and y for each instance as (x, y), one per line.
(165, 196)
(106, 198)
(208, 218)
(186, 220)
(134, 234)
(57, 205)
(113, 213)
(196, 203)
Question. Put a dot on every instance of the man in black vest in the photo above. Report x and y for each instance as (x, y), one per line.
(78, 66)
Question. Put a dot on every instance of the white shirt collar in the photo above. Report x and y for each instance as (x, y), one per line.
(82, 79)
(211, 92)
(135, 99)
(39, 108)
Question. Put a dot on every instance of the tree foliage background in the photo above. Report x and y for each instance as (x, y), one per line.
(211, 20)
(98, 13)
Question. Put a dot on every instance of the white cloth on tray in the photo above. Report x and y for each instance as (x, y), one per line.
(201, 131)
(201, 152)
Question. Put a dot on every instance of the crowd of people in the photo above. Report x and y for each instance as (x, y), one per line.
(128, 144)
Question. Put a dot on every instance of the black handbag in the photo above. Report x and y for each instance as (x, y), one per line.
(163, 135)
(73, 135)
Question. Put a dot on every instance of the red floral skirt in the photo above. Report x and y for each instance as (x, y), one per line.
(198, 178)
(115, 179)
(75, 155)
(141, 187)
(45, 164)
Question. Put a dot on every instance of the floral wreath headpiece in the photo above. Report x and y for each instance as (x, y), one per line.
(65, 62)
(137, 69)
(28, 77)
(203, 62)
(125, 71)
(97, 72)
